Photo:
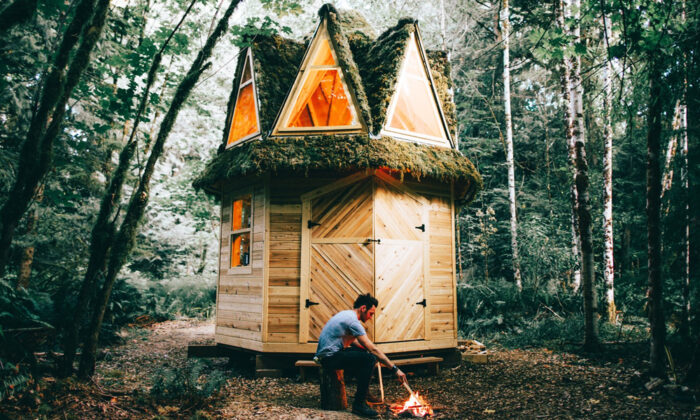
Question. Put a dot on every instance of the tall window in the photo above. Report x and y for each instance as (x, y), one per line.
(320, 99)
(414, 111)
(241, 219)
(244, 123)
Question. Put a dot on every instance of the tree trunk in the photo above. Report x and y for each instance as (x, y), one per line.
(563, 13)
(505, 31)
(103, 231)
(124, 241)
(333, 395)
(667, 180)
(653, 209)
(608, 261)
(25, 265)
(36, 154)
(686, 311)
(590, 312)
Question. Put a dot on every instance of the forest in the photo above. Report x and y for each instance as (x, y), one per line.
(576, 262)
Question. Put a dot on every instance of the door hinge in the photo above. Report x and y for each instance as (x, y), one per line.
(310, 224)
(379, 241)
(422, 302)
(421, 227)
(310, 303)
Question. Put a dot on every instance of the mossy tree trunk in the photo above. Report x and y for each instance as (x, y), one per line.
(37, 150)
(581, 182)
(103, 230)
(124, 239)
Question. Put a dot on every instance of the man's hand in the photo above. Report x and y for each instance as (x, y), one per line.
(401, 376)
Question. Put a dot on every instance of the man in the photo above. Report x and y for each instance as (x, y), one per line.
(343, 344)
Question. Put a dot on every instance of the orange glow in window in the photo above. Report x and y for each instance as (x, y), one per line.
(245, 120)
(322, 102)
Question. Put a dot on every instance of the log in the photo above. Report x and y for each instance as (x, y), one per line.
(333, 396)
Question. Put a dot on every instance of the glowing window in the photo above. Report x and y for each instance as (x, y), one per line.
(244, 123)
(240, 231)
(321, 100)
(415, 110)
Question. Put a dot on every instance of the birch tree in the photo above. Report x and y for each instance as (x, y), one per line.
(563, 13)
(505, 33)
(578, 137)
(608, 260)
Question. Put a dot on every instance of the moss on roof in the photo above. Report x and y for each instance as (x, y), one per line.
(345, 55)
(371, 65)
(440, 66)
(305, 155)
(380, 67)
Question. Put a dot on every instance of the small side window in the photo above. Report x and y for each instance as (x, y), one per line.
(241, 222)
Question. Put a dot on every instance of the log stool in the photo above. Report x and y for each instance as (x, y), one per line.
(333, 396)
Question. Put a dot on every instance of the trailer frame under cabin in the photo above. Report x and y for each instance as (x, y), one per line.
(338, 175)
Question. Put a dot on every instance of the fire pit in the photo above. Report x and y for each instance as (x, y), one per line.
(414, 406)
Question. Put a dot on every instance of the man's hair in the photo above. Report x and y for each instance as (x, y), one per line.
(366, 300)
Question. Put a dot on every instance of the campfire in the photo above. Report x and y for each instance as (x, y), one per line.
(415, 405)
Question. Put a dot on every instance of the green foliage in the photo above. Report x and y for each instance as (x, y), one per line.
(191, 384)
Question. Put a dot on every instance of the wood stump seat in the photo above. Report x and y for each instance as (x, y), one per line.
(333, 395)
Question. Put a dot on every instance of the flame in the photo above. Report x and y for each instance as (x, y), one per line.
(416, 405)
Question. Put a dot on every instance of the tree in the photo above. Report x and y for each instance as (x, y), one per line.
(581, 181)
(36, 155)
(609, 258)
(123, 241)
(505, 33)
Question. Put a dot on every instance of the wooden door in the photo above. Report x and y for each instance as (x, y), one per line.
(341, 259)
(400, 264)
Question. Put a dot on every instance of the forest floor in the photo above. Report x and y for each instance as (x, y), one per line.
(531, 383)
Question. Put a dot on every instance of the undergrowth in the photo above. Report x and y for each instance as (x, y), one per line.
(536, 317)
(190, 385)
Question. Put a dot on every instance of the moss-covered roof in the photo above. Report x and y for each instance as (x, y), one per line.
(371, 66)
(349, 153)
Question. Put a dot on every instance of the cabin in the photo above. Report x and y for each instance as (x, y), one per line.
(339, 174)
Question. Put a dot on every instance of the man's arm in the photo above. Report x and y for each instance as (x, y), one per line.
(369, 345)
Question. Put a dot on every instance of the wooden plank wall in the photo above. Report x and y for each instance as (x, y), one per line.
(240, 291)
(441, 293)
(285, 256)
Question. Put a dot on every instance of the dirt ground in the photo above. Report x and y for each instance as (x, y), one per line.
(533, 383)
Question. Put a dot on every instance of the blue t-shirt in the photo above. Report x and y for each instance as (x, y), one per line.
(338, 333)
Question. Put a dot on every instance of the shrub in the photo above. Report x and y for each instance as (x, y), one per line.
(191, 384)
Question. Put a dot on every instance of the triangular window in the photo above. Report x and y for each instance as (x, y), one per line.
(244, 124)
(414, 112)
(319, 100)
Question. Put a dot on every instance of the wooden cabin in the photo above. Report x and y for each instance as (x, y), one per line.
(338, 175)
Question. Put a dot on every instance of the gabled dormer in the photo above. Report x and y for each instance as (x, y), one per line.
(415, 113)
(321, 100)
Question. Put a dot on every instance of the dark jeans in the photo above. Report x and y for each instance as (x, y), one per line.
(357, 362)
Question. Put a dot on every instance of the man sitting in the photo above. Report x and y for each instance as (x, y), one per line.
(343, 344)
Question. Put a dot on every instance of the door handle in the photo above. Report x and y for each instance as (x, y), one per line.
(422, 302)
(310, 303)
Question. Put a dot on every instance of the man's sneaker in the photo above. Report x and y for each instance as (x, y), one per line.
(373, 399)
(364, 410)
